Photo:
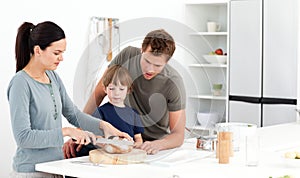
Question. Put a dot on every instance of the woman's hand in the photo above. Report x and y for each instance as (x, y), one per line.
(79, 136)
(110, 130)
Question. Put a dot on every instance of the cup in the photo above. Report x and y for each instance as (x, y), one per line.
(213, 27)
(217, 89)
(252, 150)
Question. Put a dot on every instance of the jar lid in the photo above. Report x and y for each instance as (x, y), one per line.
(208, 137)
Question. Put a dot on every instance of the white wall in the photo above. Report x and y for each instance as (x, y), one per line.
(73, 17)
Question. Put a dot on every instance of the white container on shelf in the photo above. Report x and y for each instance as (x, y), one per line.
(207, 119)
(215, 59)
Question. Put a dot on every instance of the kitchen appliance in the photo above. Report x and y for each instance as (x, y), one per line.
(263, 62)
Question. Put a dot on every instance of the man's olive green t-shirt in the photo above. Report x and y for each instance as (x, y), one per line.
(153, 98)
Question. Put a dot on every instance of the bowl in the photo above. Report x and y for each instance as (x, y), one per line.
(207, 119)
(215, 59)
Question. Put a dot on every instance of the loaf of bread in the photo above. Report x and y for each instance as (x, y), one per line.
(117, 149)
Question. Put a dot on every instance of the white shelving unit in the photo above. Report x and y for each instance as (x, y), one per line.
(197, 14)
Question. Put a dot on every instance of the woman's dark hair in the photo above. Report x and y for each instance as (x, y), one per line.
(29, 35)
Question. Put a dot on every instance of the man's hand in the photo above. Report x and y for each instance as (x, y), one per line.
(151, 147)
(69, 149)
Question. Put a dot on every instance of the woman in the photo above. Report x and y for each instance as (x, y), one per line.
(38, 99)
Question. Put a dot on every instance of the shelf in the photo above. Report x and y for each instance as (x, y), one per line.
(203, 2)
(204, 73)
(209, 65)
(209, 97)
(210, 33)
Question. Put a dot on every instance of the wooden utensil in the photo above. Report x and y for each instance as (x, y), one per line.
(109, 54)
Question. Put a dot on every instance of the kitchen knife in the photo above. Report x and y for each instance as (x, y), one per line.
(114, 141)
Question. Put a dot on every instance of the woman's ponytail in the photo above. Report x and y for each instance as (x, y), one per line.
(23, 47)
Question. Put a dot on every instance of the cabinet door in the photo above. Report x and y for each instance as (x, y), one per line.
(245, 112)
(278, 114)
(245, 48)
(280, 49)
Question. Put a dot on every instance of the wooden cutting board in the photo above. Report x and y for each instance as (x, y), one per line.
(99, 156)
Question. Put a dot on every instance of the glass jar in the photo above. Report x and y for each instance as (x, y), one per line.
(207, 143)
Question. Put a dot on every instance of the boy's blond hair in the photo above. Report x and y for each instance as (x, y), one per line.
(116, 74)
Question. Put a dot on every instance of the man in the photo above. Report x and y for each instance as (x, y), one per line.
(158, 92)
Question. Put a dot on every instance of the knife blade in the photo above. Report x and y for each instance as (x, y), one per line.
(114, 141)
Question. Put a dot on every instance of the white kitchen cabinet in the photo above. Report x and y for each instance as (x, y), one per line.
(263, 61)
(197, 14)
(246, 47)
(298, 71)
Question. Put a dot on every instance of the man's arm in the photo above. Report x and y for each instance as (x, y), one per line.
(96, 97)
(174, 139)
(177, 128)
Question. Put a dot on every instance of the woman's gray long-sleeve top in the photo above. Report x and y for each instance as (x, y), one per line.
(36, 111)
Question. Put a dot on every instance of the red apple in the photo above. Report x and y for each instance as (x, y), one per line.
(219, 51)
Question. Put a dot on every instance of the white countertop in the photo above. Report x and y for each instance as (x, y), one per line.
(187, 161)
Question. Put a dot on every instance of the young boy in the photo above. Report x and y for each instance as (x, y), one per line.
(118, 83)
